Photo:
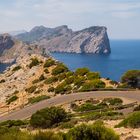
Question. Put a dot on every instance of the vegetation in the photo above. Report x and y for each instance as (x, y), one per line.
(31, 89)
(60, 68)
(48, 63)
(11, 99)
(113, 101)
(51, 80)
(37, 99)
(16, 68)
(81, 71)
(34, 62)
(13, 123)
(93, 75)
(63, 88)
(133, 120)
(51, 89)
(91, 85)
(97, 131)
(46, 71)
(2, 81)
(132, 78)
(48, 117)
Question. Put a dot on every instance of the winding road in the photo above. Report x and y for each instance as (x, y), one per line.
(59, 100)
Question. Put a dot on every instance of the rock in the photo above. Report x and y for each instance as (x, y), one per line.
(63, 39)
(12, 49)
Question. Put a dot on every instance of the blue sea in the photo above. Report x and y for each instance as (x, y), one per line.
(125, 56)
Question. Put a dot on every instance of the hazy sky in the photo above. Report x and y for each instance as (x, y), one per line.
(121, 17)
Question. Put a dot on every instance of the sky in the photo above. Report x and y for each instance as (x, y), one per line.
(121, 17)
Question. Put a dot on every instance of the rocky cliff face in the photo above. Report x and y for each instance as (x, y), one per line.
(13, 50)
(63, 39)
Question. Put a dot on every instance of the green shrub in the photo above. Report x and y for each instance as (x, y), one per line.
(2, 81)
(81, 71)
(13, 123)
(51, 89)
(61, 76)
(46, 71)
(70, 80)
(132, 78)
(31, 89)
(113, 101)
(34, 62)
(69, 124)
(63, 88)
(48, 63)
(97, 131)
(60, 68)
(51, 80)
(93, 75)
(79, 81)
(12, 99)
(48, 117)
(133, 120)
(41, 78)
(90, 106)
(91, 85)
(16, 68)
(37, 99)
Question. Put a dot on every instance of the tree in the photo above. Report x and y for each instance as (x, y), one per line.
(81, 71)
(60, 68)
(132, 78)
(48, 117)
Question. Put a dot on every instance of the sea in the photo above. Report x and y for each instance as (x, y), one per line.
(125, 56)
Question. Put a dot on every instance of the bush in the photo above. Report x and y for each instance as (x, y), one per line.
(50, 62)
(133, 120)
(12, 99)
(60, 68)
(70, 80)
(37, 99)
(51, 80)
(34, 62)
(113, 101)
(16, 68)
(41, 78)
(90, 106)
(13, 123)
(31, 89)
(132, 78)
(46, 71)
(97, 131)
(2, 81)
(63, 88)
(51, 89)
(93, 75)
(81, 71)
(91, 85)
(48, 117)
(79, 81)
(61, 76)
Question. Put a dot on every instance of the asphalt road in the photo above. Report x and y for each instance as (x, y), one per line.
(58, 100)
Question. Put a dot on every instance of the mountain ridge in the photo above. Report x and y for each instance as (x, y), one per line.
(62, 39)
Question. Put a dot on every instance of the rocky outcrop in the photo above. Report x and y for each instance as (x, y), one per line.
(63, 39)
(12, 49)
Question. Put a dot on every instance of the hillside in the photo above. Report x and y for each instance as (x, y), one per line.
(12, 50)
(62, 39)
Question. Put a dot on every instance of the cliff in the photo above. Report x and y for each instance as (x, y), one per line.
(63, 39)
(12, 49)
